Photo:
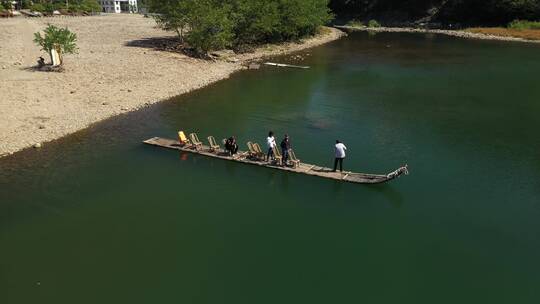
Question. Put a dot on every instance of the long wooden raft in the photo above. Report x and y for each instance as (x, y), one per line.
(303, 168)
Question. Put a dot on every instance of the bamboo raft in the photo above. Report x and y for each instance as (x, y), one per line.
(302, 168)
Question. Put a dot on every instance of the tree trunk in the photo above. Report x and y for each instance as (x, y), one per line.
(51, 56)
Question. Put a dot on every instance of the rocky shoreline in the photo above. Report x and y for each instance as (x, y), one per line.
(114, 72)
(455, 33)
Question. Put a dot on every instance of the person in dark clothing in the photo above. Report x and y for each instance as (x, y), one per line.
(231, 146)
(285, 147)
(41, 62)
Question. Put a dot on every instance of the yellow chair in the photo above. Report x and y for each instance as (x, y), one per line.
(197, 144)
(258, 150)
(255, 151)
(214, 147)
(292, 157)
(182, 138)
(277, 154)
(251, 151)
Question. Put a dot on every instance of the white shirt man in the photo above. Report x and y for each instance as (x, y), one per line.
(340, 155)
(270, 143)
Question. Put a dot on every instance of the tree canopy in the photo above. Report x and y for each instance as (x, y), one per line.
(215, 24)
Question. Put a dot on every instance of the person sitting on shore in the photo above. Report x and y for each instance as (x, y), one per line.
(285, 147)
(270, 144)
(231, 146)
(41, 62)
(340, 155)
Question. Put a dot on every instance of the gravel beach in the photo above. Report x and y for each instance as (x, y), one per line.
(118, 69)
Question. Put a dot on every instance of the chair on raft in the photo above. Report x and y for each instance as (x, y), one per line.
(182, 138)
(277, 155)
(252, 153)
(258, 150)
(197, 144)
(214, 147)
(292, 158)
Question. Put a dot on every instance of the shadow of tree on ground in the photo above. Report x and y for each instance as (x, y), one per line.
(167, 44)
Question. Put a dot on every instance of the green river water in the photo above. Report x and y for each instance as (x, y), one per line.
(98, 217)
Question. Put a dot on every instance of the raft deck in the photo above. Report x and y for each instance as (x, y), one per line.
(303, 168)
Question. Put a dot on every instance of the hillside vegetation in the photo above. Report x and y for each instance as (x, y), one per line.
(465, 12)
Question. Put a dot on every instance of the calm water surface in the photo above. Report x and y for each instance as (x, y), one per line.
(97, 217)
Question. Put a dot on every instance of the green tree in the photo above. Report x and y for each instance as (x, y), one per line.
(255, 21)
(5, 5)
(300, 18)
(60, 39)
(214, 24)
(211, 26)
(89, 6)
(171, 15)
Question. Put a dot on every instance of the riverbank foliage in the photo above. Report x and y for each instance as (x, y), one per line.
(73, 6)
(524, 25)
(461, 12)
(240, 24)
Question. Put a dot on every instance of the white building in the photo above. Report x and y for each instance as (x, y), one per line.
(118, 6)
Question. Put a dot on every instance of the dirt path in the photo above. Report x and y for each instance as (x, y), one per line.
(117, 69)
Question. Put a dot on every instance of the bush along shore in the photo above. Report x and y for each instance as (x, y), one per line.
(207, 25)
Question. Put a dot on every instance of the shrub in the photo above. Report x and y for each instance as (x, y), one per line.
(38, 7)
(26, 4)
(60, 39)
(355, 23)
(373, 23)
(300, 18)
(524, 25)
(89, 6)
(5, 5)
(214, 24)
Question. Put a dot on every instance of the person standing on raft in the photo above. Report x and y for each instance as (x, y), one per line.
(270, 144)
(340, 155)
(285, 147)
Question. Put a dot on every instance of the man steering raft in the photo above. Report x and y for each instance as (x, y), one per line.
(340, 155)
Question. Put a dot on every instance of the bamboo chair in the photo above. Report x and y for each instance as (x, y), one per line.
(292, 158)
(251, 152)
(182, 138)
(214, 147)
(197, 144)
(277, 155)
(258, 150)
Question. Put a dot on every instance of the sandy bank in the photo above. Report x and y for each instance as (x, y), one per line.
(118, 69)
(461, 34)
